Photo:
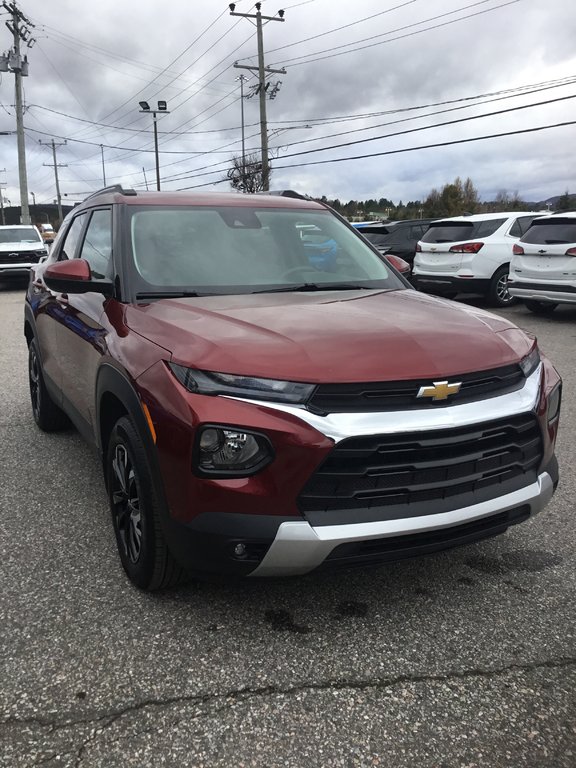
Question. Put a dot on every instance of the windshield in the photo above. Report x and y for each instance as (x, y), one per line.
(247, 249)
(19, 235)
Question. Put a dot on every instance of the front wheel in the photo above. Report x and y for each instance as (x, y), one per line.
(498, 293)
(540, 307)
(136, 511)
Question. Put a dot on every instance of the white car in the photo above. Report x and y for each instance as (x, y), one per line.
(543, 268)
(21, 246)
(470, 254)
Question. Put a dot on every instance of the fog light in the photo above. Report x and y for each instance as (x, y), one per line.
(240, 550)
(231, 452)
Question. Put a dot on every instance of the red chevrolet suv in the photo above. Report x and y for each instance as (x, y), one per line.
(261, 412)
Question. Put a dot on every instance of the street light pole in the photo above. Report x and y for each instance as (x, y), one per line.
(162, 108)
(155, 121)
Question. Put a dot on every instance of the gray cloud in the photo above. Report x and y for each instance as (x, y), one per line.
(96, 61)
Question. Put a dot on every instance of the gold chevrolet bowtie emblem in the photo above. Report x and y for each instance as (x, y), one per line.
(440, 390)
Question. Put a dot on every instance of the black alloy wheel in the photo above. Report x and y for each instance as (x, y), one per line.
(137, 511)
(126, 504)
(47, 415)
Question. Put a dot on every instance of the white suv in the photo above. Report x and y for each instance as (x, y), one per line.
(470, 254)
(21, 246)
(543, 268)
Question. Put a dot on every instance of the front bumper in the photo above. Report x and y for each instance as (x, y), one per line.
(298, 547)
(15, 270)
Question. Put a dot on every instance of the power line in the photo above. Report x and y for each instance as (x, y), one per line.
(543, 85)
(426, 127)
(418, 129)
(344, 26)
(406, 149)
(125, 128)
(332, 54)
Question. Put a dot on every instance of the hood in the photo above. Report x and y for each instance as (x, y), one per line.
(330, 336)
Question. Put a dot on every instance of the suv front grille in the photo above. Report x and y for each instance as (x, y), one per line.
(17, 257)
(402, 395)
(420, 473)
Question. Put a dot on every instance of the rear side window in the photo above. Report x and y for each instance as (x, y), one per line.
(560, 231)
(521, 226)
(486, 228)
(450, 232)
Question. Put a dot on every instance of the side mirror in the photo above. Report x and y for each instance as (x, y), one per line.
(74, 276)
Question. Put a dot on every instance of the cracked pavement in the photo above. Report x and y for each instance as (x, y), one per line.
(466, 658)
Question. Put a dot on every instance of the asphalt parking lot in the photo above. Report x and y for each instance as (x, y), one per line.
(466, 658)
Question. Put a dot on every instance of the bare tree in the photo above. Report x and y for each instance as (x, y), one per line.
(245, 175)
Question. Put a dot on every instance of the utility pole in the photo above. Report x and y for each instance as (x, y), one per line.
(55, 165)
(21, 28)
(262, 86)
(2, 188)
(103, 166)
(242, 79)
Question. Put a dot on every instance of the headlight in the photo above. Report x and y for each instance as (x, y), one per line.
(210, 383)
(231, 452)
(530, 362)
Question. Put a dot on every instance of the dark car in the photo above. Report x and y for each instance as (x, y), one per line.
(259, 415)
(398, 237)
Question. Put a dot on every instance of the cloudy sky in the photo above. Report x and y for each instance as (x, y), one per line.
(368, 77)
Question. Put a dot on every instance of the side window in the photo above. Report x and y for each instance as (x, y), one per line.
(486, 228)
(521, 225)
(97, 246)
(70, 243)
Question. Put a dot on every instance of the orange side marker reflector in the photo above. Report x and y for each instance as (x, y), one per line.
(149, 420)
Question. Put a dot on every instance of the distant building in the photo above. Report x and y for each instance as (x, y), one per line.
(42, 213)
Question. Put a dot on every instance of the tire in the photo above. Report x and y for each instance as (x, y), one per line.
(136, 512)
(540, 307)
(47, 415)
(498, 294)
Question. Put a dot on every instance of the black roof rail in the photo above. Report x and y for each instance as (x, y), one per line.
(286, 193)
(113, 188)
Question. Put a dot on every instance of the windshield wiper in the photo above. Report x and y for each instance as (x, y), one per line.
(168, 295)
(310, 287)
